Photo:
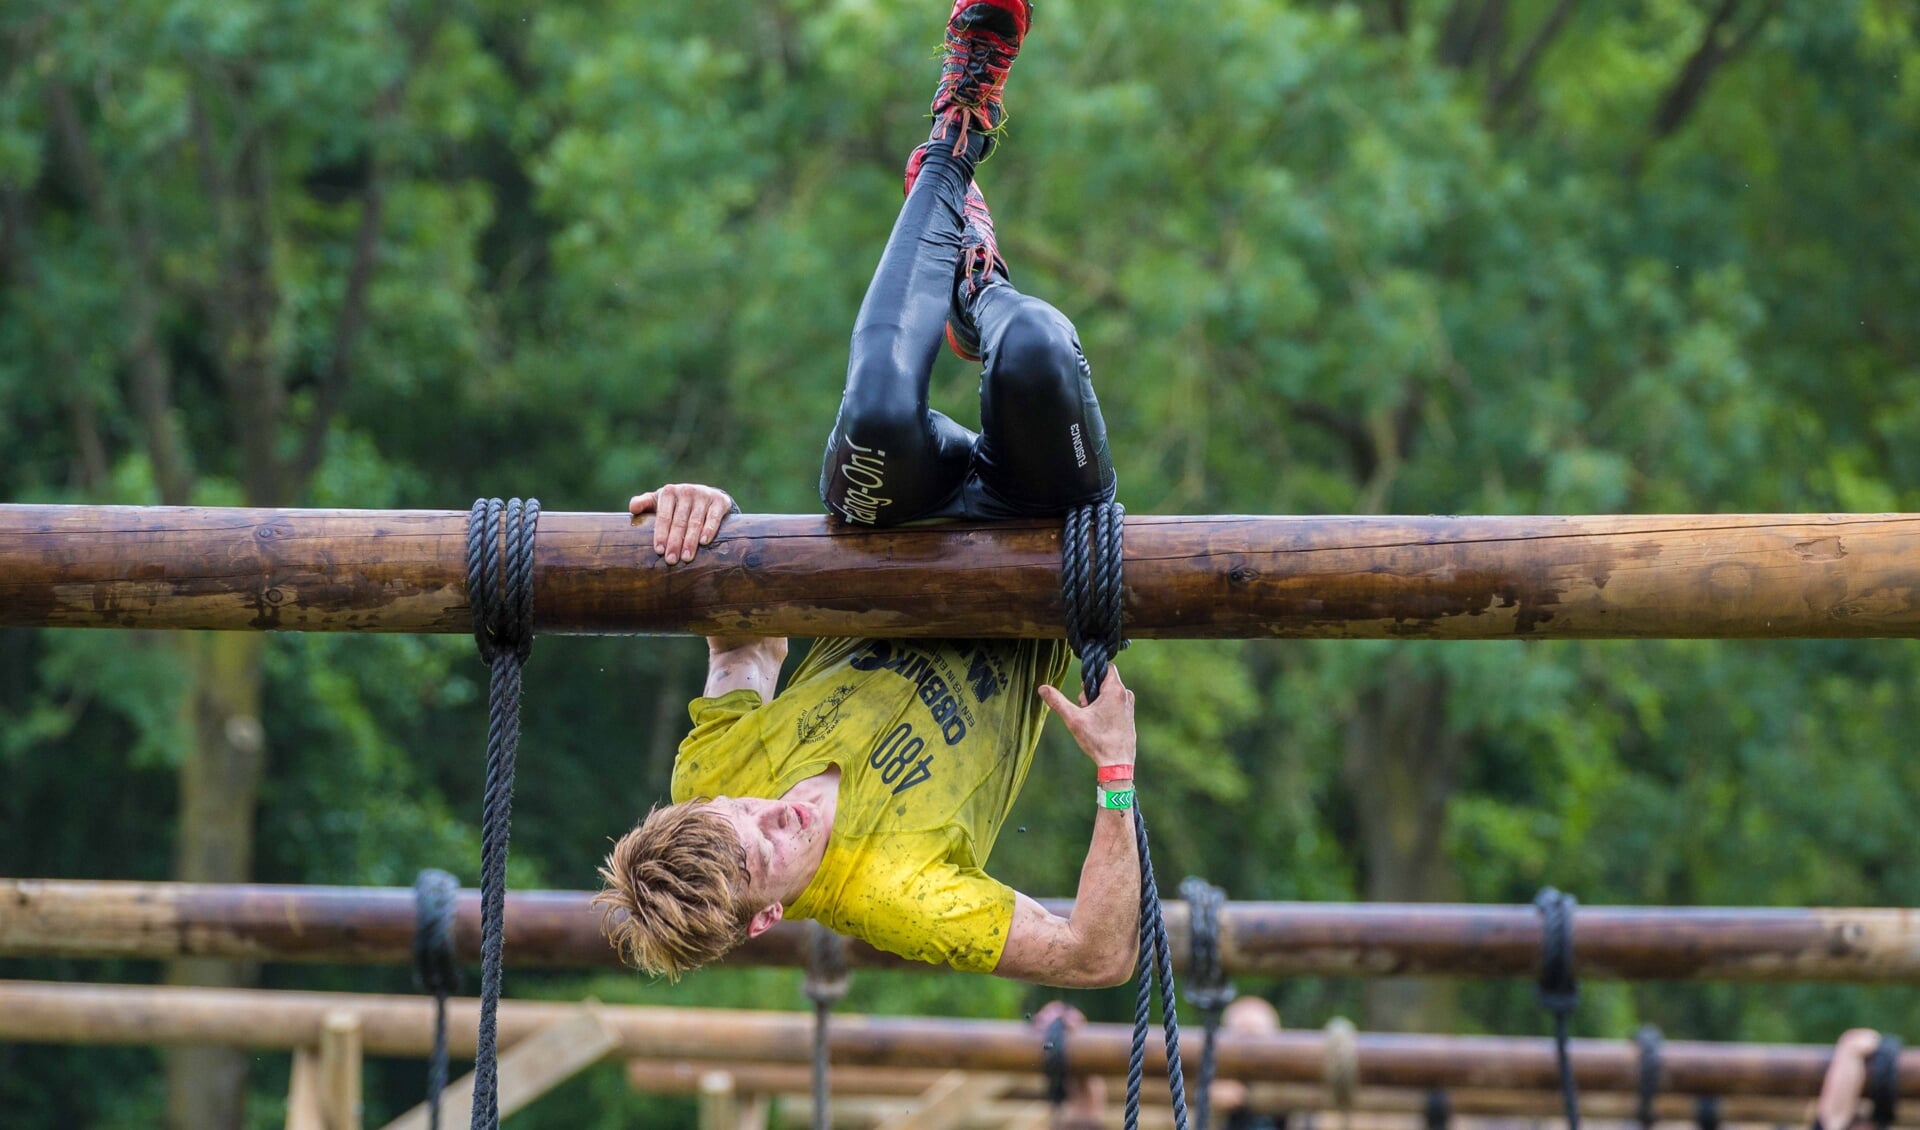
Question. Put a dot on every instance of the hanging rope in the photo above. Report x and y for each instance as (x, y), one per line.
(500, 542)
(826, 983)
(1648, 1040)
(1439, 1110)
(1207, 986)
(1706, 1112)
(1092, 591)
(1883, 1081)
(436, 969)
(1053, 1062)
(1559, 992)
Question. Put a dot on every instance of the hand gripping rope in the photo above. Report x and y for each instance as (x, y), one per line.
(826, 983)
(436, 969)
(500, 539)
(1559, 992)
(1207, 986)
(1091, 589)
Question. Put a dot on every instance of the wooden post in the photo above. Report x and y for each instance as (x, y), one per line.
(304, 1110)
(718, 1109)
(51, 918)
(948, 1102)
(1668, 576)
(340, 1070)
(161, 1015)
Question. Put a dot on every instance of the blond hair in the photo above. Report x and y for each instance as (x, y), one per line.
(675, 894)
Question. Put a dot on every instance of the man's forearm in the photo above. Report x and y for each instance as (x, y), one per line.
(753, 666)
(1106, 909)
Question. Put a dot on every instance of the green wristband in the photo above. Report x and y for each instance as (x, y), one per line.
(1119, 799)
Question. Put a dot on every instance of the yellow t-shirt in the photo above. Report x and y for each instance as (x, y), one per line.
(933, 739)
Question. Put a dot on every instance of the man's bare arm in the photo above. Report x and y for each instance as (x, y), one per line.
(688, 516)
(1097, 945)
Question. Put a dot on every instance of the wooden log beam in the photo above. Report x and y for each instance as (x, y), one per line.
(1670, 576)
(682, 1077)
(41, 1012)
(93, 919)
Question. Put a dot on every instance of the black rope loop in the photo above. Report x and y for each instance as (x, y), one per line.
(1053, 1060)
(500, 548)
(1883, 1081)
(826, 983)
(1207, 986)
(1649, 1041)
(1706, 1112)
(1092, 589)
(1439, 1110)
(1558, 989)
(436, 969)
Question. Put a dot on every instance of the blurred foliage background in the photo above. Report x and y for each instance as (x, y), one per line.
(1392, 256)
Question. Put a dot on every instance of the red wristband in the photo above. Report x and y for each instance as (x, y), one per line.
(1106, 773)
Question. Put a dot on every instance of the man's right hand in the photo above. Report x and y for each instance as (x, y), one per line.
(688, 517)
(1103, 729)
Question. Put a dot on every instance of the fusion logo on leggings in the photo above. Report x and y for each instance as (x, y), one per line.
(866, 470)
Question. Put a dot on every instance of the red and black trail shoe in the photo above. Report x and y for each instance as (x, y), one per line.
(980, 262)
(983, 39)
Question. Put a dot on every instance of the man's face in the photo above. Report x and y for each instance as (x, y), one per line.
(784, 841)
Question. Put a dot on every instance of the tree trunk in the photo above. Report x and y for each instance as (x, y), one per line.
(1401, 765)
(219, 789)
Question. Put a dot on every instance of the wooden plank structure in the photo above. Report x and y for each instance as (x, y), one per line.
(1667, 576)
(528, 1069)
(83, 919)
(41, 1012)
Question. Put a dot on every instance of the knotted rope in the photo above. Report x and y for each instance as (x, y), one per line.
(1439, 1110)
(1053, 1061)
(500, 543)
(1883, 1081)
(1090, 555)
(436, 969)
(1559, 992)
(1092, 591)
(1706, 1112)
(1648, 1040)
(1207, 986)
(826, 983)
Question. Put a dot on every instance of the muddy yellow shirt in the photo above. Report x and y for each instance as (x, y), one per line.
(933, 739)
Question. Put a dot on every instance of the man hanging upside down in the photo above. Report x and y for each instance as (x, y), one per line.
(868, 795)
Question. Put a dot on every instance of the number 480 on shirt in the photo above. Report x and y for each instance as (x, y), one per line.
(894, 758)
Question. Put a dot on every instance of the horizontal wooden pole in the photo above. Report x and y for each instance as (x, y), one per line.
(43, 1012)
(1672, 576)
(81, 919)
(682, 1077)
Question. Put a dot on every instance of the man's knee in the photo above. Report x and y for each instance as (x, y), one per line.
(1036, 356)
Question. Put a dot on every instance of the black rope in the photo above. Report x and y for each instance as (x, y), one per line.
(500, 543)
(1706, 1112)
(436, 969)
(1559, 992)
(1883, 1081)
(1648, 1040)
(1090, 586)
(826, 983)
(1092, 591)
(1155, 966)
(1053, 1061)
(1439, 1110)
(1207, 986)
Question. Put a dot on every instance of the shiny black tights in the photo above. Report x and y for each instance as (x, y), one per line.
(1042, 446)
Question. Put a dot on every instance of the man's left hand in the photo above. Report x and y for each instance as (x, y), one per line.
(688, 517)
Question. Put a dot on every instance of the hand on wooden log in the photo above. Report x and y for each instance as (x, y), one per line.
(689, 516)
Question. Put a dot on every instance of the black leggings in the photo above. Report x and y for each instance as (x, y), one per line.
(1042, 447)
